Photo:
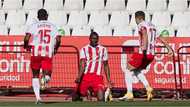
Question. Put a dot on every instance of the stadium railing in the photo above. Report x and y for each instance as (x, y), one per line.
(183, 54)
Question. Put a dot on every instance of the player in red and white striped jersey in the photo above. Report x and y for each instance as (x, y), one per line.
(45, 41)
(92, 58)
(140, 60)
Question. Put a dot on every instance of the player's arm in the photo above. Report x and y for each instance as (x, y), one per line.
(144, 40)
(58, 43)
(107, 72)
(26, 41)
(106, 67)
(82, 65)
(162, 39)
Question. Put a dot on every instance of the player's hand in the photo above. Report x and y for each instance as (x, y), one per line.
(55, 51)
(27, 48)
(110, 84)
(144, 55)
(170, 53)
(78, 80)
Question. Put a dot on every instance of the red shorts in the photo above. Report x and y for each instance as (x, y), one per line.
(92, 81)
(138, 62)
(38, 62)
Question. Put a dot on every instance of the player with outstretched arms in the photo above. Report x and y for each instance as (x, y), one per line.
(140, 60)
(45, 42)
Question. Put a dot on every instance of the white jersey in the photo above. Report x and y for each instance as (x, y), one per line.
(151, 33)
(94, 56)
(43, 35)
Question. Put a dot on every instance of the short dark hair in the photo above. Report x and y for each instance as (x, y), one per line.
(42, 14)
(94, 33)
(140, 14)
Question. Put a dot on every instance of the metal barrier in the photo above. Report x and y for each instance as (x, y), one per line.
(181, 52)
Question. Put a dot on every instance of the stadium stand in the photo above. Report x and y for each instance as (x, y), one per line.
(135, 5)
(32, 5)
(180, 20)
(3, 30)
(2, 17)
(115, 5)
(183, 32)
(122, 16)
(15, 18)
(163, 17)
(156, 5)
(17, 30)
(98, 18)
(123, 31)
(103, 30)
(77, 18)
(53, 4)
(71, 5)
(58, 17)
(12, 5)
(81, 30)
(177, 5)
(94, 5)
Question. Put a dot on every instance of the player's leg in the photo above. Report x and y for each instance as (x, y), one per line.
(146, 84)
(142, 78)
(129, 82)
(133, 63)
(35, 65)
(46, 77)
(98, 87)
(108, 95)
(83, 87)
(36, 85)
(46, 71)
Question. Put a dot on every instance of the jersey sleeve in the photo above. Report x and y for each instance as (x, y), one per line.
(105, 55)
(82, 53)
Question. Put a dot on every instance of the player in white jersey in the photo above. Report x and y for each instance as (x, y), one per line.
(92, 57)
(45, 42)
(140, 60)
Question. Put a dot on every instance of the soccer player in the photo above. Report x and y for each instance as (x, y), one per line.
(44, 44)
(140, 60)
(92, 57)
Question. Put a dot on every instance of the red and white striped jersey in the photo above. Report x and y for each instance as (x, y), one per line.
(43, 35)
(151, 33)
(94, 56)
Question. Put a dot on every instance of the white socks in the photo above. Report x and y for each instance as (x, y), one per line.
(36, 87)
(142, 78)
(129, 81)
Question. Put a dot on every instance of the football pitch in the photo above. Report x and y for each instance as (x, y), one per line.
(99, 104)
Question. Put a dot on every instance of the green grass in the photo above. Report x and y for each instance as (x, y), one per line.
(99, 104)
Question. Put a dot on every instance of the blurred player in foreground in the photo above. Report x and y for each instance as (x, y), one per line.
(92, 57)
(44, 44)
(140, 60)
